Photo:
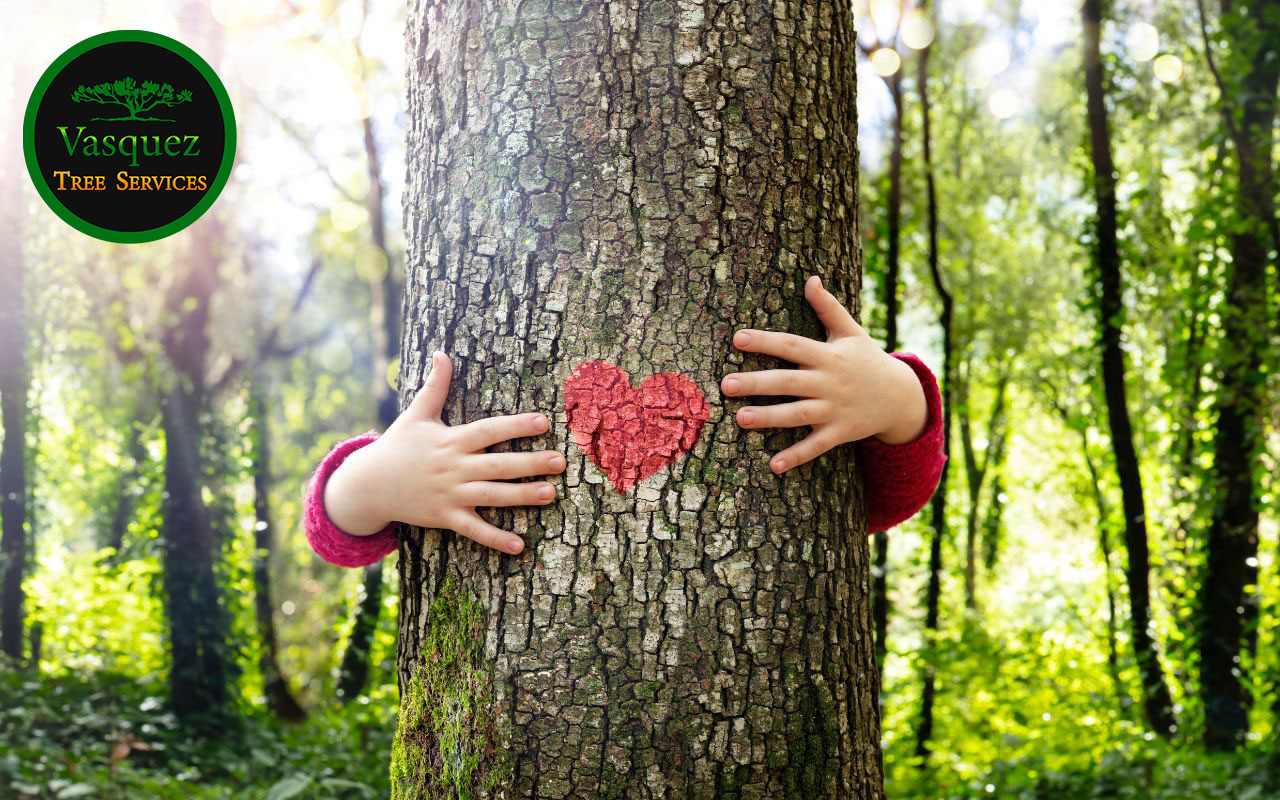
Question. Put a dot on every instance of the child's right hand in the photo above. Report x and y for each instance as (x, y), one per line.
(426, 473)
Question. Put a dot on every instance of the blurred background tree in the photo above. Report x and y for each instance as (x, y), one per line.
(163, 405)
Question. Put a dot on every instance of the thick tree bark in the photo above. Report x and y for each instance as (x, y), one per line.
(938, 504)
(14, 383)
(1156, 699)
(274, 685)
(632, 182)
(1228, 609)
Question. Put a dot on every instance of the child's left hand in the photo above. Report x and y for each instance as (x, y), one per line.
(850, 387)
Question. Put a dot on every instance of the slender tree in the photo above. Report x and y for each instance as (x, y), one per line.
(880, 567)
(978, 468)
(624, 184)
(1074, 422)
(384, 325)
(938, 504)
(1156, 699)
(1228, 607)
(275, 687)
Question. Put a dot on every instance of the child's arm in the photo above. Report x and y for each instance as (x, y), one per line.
(851, 391)
(425, 473)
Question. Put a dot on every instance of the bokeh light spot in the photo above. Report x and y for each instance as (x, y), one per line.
(1168, 68)
(886, 61)
(1143, 42)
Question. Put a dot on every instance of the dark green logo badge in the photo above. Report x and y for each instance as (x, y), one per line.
(129, 136)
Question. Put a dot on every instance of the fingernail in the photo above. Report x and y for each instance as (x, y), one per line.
(515, 545)
(742, 338)
(539, 422)
(779, 465)
(546, 492)
(732, 385)
(556, 462)
(746, 416)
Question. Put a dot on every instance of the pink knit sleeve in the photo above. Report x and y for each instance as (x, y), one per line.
(331, 543)
(900, 478)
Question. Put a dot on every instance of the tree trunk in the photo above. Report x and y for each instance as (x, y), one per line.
(14, 383)
(632, 183)
(1123, 700)
(1156, 700)
(1229, 611)
(199, 670)
(880, 569)
(274, 685)
(938, 504)
(975, 471)
(129, 482)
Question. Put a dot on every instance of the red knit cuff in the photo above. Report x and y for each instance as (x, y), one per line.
(900, 478)
(329, 541)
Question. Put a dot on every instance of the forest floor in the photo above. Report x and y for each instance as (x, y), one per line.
(104, 735)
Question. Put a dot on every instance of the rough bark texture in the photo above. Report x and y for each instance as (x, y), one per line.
(632, 182)
(1155, 691)
(1229, 607)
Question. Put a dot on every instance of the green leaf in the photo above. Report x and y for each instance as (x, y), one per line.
(291, 786)
(76, 790)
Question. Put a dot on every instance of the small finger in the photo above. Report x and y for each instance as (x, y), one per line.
(787, 346)
(793, 382)
(785, 415)
(429, 401)
(505, 466)
(834, 316)
(504, 493)
(474, 527)
(802, 452)
(489, 431)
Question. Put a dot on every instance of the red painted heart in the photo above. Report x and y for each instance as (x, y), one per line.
(632, 433)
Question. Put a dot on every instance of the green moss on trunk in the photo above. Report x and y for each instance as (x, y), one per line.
(444, 742)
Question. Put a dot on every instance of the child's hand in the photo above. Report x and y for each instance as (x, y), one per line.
(852, 388)
(426, 473)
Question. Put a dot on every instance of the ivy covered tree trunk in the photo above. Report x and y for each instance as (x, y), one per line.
(1228, 603)
(630, 183)
(1157, 703)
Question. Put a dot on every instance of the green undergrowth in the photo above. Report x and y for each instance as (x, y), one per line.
(105, 735)
(1140, 769)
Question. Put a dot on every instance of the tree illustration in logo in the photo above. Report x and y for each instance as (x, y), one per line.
(137, 98)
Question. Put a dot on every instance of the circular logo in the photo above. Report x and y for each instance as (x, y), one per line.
(129, 136)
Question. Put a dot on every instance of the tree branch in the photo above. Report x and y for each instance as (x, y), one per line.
(268, 347)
